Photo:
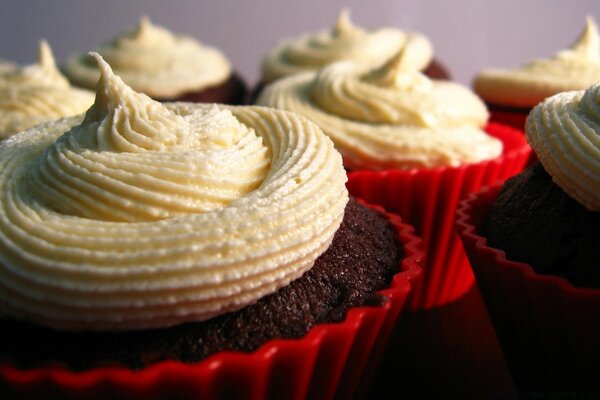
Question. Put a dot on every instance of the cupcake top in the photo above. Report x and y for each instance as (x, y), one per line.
(6, 66)
(344, 41)
(389, 117)
(573, 69)
(156, 62)
(141, 214)
(564, 132)
(37, 93)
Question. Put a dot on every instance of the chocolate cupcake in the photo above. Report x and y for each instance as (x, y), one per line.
(534, 247)
(165, 66)
(512, 93)
(37, 93)
(412, 144)
(345, 41)
(156, 235)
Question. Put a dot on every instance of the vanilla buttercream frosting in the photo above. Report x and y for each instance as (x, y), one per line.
(141, 214)
(345, 41)
(564, 132)
(575, 68)
(389, 117)
(37, 93)
(156, 62)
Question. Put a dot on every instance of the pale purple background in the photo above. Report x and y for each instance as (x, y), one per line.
(467, 35)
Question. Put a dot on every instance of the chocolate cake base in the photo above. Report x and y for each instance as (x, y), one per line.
(362, 259)
(232, 91)
(534, 221)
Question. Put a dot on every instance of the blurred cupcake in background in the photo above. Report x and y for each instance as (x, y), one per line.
(511, 93)
(346, 41)
(534, 244)
(37, 93)
(412, 144)
(6, 66)
(165, 66)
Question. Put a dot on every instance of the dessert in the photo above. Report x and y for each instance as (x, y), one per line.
(390, 116)
(411, 144)
(144, 232)
(37, 93)
(534, 246)
(512, 93)
(346, 41)
(163, 65)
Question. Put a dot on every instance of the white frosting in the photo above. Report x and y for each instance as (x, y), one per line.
(37, 93)
(564, 132)
(345, 41)
(573, 69)
(148, 215)
(389, 117)
(156, 62)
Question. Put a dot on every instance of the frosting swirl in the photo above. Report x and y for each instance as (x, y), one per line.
(37, 93)
(156, 62)
(143, 215)
(573, 69)
(345, 41)
(389, 117)
(564, 131)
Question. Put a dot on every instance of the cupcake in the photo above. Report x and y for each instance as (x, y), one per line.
(512, 93)
(346, 41)
(6, 66)
(411, 144)
(534, 245)
(37, 93)
(153, 249)
(165, 66)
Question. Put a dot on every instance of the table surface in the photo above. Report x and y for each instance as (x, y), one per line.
(448, 352)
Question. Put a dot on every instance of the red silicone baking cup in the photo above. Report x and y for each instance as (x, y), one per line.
(427, 199)
(548, 328)
(309, 367)
(515, 118)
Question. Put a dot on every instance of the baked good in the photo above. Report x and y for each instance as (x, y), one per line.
(37, 93)
(144, 219)
(533, 245)
(165, 66)
(410, 148)
(346, 41)
(512, 93)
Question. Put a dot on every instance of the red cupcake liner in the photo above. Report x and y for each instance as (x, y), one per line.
(427, 199)
(308, 367)
(506, 116)
(548, 328)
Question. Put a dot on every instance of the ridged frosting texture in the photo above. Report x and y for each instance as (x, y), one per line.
(154, 61)
(345, 41)
(575, 68)
(564, 132)
(141, 215)
(37, 93)
(389, 117)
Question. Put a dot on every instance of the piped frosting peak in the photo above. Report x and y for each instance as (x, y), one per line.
(37, 93)
(143, 214)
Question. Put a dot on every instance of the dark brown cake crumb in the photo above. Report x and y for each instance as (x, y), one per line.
(363, 257)
(534, 221)
(232, 91)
